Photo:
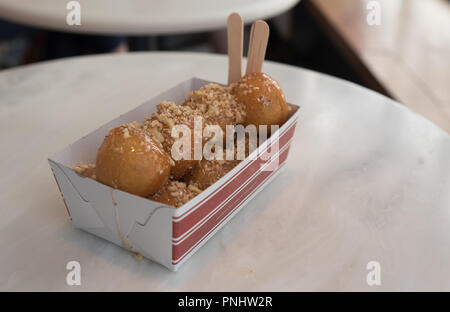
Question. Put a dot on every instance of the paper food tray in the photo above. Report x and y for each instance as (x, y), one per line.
(159, 232)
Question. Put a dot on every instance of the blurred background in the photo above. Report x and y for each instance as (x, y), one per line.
(400, 48)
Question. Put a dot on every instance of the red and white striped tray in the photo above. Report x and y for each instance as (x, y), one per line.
(162, 233)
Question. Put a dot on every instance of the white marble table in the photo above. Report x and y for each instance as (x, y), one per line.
(136, 17)
(366, 180)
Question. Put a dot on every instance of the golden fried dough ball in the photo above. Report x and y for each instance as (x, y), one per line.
(176, 193)
(159, 126)
(217, 105)
(263, 99)
(132, 161)
(209, 171)
(247, 146)
(86, 170)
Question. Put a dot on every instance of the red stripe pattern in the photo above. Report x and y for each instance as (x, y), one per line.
(240, 187)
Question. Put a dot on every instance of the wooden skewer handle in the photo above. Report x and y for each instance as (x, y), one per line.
(259, 37)
(250, 47)
(235, 33)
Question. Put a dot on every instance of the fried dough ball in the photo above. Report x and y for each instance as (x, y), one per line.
(87, 170)
(176, 193)
(209, 171)
(248, 146)
(263, 99)
(132, 161)
(159, 126)
(217, 105)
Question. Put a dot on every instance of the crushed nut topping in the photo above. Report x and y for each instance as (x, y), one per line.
(217, 105)
(86, 170)
(176, 193)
